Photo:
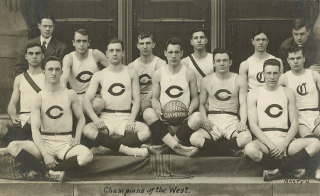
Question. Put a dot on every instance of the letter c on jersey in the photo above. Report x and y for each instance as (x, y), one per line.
(260, 77)
(110, 90)
(84, 73)
(302, 89)
(148, 79)
(168, 91)
(223, 98)
(268, 110)
(48, 112)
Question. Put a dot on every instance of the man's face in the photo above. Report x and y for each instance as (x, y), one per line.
(53, 72)
(46, 28)
(173, 54)
(271, 75)
(198, 40)
(260, 42)
(34, 56)
(81, 43)
(296, 60)
(115, 53)
(145, 46)
(300, 36)
(222, 62)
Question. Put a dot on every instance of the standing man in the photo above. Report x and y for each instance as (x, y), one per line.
(200, 61)
(173, 81)
(52, 46)
(252, 68)
(226, 93)
(302, 36)
(269, 109)
(51, 111)
(305, 84)
(81, 64)
(120, 92)
(146, 65)
(25, 87)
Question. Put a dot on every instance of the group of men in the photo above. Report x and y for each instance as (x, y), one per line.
(114, 98)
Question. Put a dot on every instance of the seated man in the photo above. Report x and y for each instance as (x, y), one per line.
(51, 111)
(305, 84)
(25, 87)
(269, 109)
(227, 94)
(120, 91)
(173, 81)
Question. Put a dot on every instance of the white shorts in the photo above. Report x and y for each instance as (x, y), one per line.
(223, 125)
(57, 145)
(309, 119)
(276, 137)
(24, 118)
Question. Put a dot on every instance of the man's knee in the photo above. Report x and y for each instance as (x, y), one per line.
(85, 157)
(244, 138)
(252, 151)
(195, 120)
(313, 146)
(150, 116)
(197, 139)
(144, 132)
(14, 148)
(3, 128)
(90, 131)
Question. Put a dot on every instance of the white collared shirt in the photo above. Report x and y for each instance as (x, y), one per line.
(47, 41)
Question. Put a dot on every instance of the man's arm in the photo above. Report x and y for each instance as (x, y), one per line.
(185, 61)
(203, 97)
(66, 68)
(316, 78)
(194, 104)
(99, 57)
(12, 107)
(156, 92)
(243, 70)
(77, 111)
(283, 81)
(243, 91)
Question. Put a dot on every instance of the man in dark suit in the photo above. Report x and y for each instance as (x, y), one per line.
(52, 46)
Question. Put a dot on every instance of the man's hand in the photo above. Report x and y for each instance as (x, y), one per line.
(207, 125)
(130, 126)
(159, 112)
(15, 121)
(49, 161)
(315, 67)
(241, 127)
(73, 142)
(277, 151)
(100, 124)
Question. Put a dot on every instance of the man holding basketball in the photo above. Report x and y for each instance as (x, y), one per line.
(173, 81)
(226, 93)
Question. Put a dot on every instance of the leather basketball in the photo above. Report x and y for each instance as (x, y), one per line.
(175, 111)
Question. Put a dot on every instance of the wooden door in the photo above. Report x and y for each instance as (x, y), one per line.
(166, 19)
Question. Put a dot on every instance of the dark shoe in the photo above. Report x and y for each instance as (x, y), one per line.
(34, 176)
(238, 153)
(186, 151)
(297, 173)
(56, 175)
(271, 175)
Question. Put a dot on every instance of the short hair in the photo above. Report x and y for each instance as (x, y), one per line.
(34, 44)
(258, 31)
(294, 48)
(173, 41)
(197, 30)
(46, 15)
(82, 32)
(272, 62)
(221, 51)
(114, 41)
(51, 58)
(299, 23)
(145, 35)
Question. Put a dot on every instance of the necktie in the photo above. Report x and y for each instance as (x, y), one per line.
(44, 44)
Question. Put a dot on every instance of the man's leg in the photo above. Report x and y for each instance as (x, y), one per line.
(239, 140)
(304, 131)
(140, 135)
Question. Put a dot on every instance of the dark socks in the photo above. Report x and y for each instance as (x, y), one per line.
(232, 144)
(269, 162)
(30, 161)
(159, 130)
(215, 148)
(291, 163)
(310, 136)
(131, 140)
(107, 141)
(67, 165)
(184, 133)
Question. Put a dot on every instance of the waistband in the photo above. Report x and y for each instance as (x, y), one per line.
(274, 129)
(116, 111)
(61, 133)
(24, 112)
(309, 109)
(222, 112)
(81, 93)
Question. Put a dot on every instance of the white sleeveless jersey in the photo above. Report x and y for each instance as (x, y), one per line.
(81, 72)
(223, 95)
(255, 69)
(206, 65)
(27, 92)
(116, 89)
(145, 72)
(304, 88)
(174, 87)
(272, 109)
(56, 113)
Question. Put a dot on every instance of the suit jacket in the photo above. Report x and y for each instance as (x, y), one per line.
(55, 48)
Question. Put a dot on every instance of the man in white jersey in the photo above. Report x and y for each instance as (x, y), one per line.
(226, 93)
(173, 81)
(51, 111)
(252, 68)
(200, 61)
(120, 91)
(80, 65)
(269, 109)
(18, 127)
(305, 84)
(146, 65)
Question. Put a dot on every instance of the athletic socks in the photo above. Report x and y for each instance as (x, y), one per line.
(291, 163)
(215, 148)
(232, 144)
(131, 140)
(159, 130)
(67, 165)
(269, 162)
(184, 133)
(107, 141)
(31, 161)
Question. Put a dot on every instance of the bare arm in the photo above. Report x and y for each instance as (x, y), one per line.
(66, 68)
(203, 97)
(293, 116)
(99, 57)
(193, 91)
(77, 111)
(316, 78)
(135, 93)
(185, 61)
(283, 81)
(243, 70)
(89, 96)
(243, 91)
(156, 92)
(12, 107)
